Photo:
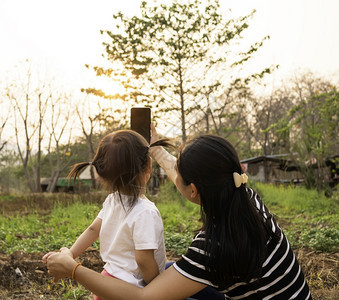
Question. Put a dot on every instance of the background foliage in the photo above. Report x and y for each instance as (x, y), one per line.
(192, 77)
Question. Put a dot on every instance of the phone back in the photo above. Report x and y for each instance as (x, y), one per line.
(141, 121)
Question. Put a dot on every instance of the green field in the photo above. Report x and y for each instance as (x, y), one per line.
(308, 218)
(37, 223)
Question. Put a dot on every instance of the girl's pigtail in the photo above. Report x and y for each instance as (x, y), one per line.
(163, 143)
(75, 171)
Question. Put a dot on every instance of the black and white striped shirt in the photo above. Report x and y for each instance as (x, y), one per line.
(282, 277)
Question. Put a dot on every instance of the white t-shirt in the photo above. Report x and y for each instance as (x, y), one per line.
(125, 230)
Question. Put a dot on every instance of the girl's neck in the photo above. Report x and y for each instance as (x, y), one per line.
(127, 191)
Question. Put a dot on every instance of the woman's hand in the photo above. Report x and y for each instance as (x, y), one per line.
(61, 264)
(154, 134)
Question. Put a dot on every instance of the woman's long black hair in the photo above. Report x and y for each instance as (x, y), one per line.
(234, 231)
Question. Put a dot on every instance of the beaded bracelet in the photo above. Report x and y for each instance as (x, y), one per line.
(75, 267)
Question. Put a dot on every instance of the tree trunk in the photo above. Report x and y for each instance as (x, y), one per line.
(182, 105)
(52, 184)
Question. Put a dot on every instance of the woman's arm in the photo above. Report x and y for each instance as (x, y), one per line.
(169, 285)
(147, 264)
(87, 238)
(166, 160)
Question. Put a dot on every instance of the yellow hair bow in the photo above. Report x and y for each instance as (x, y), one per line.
(239, 179)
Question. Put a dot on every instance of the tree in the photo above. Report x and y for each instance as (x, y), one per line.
(312, 124)
(265, 112)
(171, 55)
(57, 127)
(224, 115)
(29, 97)
(317, 123)
(10, 171)
(40, 119)
(3, 121)
(89, 120)
(95, 119)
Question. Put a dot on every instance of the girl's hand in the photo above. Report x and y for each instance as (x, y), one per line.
(46, 256)
(61, 264)
(154, 134)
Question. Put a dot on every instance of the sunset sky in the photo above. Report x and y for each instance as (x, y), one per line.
(64, 35)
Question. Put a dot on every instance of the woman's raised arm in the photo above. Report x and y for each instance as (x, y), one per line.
(166, 160)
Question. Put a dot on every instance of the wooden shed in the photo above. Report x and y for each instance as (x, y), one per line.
(272, 168)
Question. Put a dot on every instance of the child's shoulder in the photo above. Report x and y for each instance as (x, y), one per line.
(112, 197)
(143, 200)
(144, 204)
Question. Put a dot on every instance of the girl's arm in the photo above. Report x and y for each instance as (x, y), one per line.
(169, 285)
(87, 238)
(147, 264)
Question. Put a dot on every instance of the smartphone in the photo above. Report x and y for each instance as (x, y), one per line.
(141, 121)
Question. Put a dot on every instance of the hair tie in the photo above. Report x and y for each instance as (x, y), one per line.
(239, 179)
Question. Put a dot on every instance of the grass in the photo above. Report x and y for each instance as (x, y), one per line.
(308, 218)
(33, 232)
(36, 233)
(180, 218)
(40, 223)
(297, 200)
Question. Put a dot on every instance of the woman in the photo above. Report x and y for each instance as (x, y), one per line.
(240, 250)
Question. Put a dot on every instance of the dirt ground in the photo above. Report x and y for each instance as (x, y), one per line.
(24, 276)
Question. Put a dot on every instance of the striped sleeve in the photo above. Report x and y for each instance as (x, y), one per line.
(191, 265)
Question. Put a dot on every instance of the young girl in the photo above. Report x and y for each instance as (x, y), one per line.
(129, 225)
(240, 250)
